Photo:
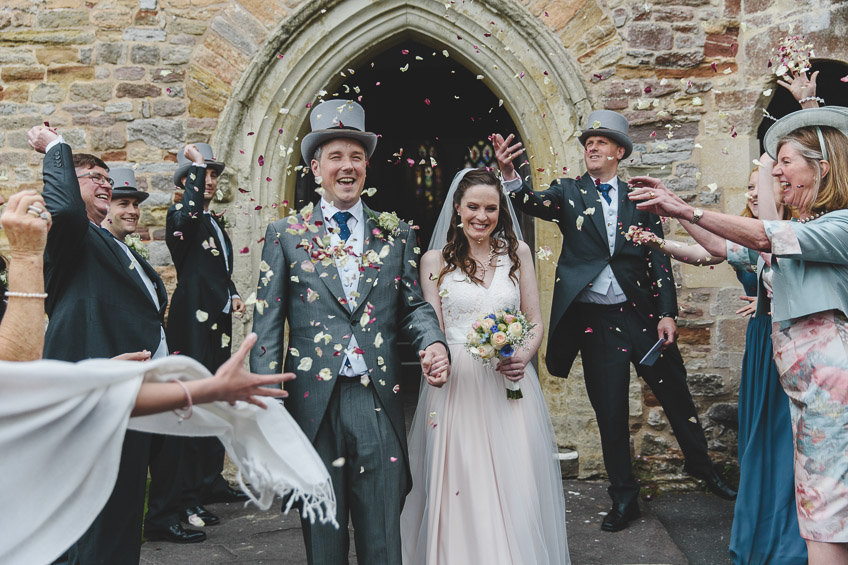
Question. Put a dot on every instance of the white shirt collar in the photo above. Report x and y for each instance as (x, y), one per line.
(329, 210)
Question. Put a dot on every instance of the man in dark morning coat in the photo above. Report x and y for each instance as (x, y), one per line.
(200, 320)
(612, 301)
(345, 312)
(103, 300)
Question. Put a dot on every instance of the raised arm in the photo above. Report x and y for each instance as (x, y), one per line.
(693, 254)
(22, 327)
(185, 216)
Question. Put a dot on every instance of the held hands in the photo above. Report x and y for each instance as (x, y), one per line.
(667, 329)
(652, 195)
(143, 355)
(26, 222)
(232, 382)
(505, 153)
(435, 366)
(40, 137)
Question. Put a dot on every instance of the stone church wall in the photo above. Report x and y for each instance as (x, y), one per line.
(134, 80)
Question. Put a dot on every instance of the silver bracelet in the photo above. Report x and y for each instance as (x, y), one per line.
(810, 99)
(10, 294)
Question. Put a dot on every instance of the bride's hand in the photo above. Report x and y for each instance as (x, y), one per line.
(513, 367)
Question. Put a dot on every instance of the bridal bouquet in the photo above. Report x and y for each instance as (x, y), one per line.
(498, 335)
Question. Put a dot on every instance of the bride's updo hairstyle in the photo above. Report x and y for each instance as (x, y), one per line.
(457, 252)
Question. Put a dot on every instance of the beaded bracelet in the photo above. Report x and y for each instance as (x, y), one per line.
(187, 411)
(11, 294)
(810, 99)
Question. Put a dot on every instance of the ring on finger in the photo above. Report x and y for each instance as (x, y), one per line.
(45, 215)
(34, 210)
(651, 193)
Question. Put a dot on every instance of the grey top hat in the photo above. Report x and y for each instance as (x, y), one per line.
(183, 164)
(333, 119)
(124, 186)
(833, 116)
(608, 124)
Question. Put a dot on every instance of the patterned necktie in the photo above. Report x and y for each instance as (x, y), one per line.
(341, 219)
(604, 189)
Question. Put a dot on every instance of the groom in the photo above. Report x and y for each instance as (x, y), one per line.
(612, 301)
(347, 283)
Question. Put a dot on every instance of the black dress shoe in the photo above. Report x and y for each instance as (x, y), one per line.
(174, 534)
(718, 487)
(619, 516)
(226, 494)
(201, 512)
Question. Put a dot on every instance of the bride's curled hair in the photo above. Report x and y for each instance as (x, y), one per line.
(457, 251)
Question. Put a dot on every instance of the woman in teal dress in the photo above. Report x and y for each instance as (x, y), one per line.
(765, 523)
(809, 305)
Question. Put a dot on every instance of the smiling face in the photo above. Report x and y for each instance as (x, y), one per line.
(95, 191)
(479, 210)
(602, 156)
(753, 195)
(122, 219)
(798, 178)
(342, 170)
(211, 185)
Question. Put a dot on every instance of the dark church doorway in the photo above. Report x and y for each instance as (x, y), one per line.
(433, 117)
(829, 87)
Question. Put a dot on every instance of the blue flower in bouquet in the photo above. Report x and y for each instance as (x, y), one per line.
(507, 351)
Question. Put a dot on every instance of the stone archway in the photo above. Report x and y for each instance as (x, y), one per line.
(512, 52)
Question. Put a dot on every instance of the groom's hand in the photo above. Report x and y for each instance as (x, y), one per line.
(435, 365)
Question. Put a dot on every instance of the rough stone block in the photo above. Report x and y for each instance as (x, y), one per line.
(682, 60)
(41, 37)
(17, 56)
(143, 34)
(147, 4)
(169, 107)
(54, 55)
(722, 44)
(102, 139)
(665, 158)
(234, 36)
(114, 156)
(130, 73)
(91, 91)
(109, 53)
(144, 54)
(70, 73)
(14, 92)
(167, 75)
(53, 19)
(159, 255)
(76, 138)
(162, 133)
(694, 334)
(128, 90)
(101, 121)
(653, 444)
(21, 74)
(187, 26)
(182, 39)
(77, 110)
(175, 91)
(176, 55)
(657, 419)
(731, 333)
(118, 107)
(650, 36)
(146, 18)
(705, 384)
(672, 14)
(724, 413)
(201, 125)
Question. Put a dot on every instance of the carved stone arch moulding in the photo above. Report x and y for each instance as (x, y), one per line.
(521, 61)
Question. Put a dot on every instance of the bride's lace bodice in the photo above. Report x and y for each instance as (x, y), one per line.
(463, 302)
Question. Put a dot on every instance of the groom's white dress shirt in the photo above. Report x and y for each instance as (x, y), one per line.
(348, 268)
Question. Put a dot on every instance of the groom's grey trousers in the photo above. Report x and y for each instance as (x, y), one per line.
(371, 484)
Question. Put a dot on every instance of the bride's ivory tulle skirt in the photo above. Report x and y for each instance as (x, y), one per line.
(487, 487)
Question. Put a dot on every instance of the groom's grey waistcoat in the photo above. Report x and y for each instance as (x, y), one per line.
(390, 303)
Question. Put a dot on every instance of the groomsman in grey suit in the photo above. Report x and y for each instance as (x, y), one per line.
(346, 280)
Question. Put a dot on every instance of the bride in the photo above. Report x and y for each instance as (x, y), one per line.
(486, 487)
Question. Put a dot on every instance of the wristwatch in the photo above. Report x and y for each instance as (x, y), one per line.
(668, 315)
(696, 215)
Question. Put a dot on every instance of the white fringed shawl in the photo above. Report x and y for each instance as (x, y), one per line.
(62, 426)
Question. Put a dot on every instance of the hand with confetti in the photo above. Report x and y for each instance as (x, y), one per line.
(506, 153)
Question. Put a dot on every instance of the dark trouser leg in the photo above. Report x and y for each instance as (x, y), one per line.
(114, 538)
(208, 453)
(606, 369)
(167, 463)
(326, 545)
(667, 379)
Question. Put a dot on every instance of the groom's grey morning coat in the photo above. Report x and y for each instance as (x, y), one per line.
(390, 290)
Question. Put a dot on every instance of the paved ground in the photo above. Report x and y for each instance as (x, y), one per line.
(675, 528)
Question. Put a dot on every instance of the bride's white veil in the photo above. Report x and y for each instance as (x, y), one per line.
(440, 232)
